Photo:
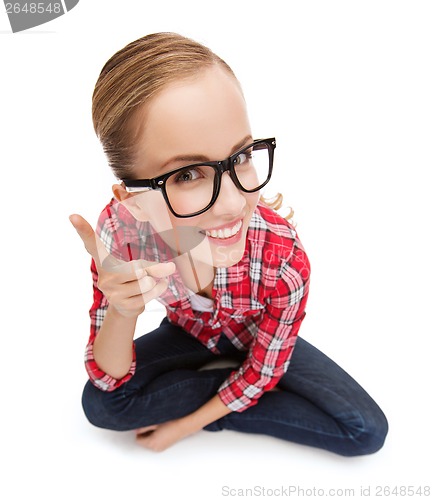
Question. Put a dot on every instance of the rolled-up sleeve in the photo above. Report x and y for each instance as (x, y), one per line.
(97, 313)
(270, 352)
(106, 231)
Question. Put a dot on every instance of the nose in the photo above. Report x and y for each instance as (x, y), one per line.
(230, 201)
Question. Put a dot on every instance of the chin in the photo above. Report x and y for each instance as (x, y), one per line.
(227, 256)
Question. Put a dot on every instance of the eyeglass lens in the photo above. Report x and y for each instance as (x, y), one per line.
(191, 189)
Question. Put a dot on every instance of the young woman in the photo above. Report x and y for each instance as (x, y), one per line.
(186, 226)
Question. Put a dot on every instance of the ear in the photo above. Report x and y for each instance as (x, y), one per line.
(130, 201)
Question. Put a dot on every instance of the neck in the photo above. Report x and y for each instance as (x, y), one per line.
(196, 275)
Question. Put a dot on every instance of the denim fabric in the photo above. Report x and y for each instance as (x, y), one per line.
(316, 404)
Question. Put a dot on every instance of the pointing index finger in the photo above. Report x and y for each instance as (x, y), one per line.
(92, 242)
(104, 260)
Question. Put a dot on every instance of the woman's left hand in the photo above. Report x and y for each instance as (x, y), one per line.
(162, 436)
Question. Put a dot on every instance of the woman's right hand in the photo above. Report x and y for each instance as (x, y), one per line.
(128, 286)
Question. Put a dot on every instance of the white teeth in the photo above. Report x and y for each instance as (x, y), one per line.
(225, 233)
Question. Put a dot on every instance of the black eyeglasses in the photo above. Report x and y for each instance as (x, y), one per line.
(193, 189)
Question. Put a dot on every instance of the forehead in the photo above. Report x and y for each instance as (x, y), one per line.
(203, 116)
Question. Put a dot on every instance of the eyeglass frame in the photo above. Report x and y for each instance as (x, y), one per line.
(220, 167)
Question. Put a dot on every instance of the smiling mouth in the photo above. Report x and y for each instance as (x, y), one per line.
(227, 232)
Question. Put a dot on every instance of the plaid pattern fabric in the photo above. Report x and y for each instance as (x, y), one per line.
(259, 303)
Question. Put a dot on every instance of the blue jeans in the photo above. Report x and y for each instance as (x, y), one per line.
(317, 404)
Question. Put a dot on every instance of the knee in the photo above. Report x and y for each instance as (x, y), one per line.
(368, 437)
(97, 406)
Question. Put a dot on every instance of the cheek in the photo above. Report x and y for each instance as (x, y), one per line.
(181, 235)
(252, 201)
(154, 210)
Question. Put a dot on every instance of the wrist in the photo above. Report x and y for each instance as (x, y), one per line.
(213, 410)
(189, 424)
(119, 315)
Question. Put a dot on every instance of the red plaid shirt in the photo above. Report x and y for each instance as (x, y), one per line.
(259, 303)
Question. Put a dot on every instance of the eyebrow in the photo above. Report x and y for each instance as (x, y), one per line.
(196, 158)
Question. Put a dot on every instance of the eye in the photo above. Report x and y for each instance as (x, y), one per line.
(187, 175)
(243, 158)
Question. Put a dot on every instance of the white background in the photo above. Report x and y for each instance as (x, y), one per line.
(345, 86)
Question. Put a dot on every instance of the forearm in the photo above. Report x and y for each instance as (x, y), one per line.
(113, 345)
(213, 410)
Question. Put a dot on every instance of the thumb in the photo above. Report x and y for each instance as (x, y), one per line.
(92, 243)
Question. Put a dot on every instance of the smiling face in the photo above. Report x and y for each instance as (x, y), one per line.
(191, 121)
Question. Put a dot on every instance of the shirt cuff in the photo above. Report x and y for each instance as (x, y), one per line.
(237, 394)
(102, 380)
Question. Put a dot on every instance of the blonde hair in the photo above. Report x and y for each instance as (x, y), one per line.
(131, 78)
(275, 203)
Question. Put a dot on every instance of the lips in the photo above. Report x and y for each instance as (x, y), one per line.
(226, 232)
